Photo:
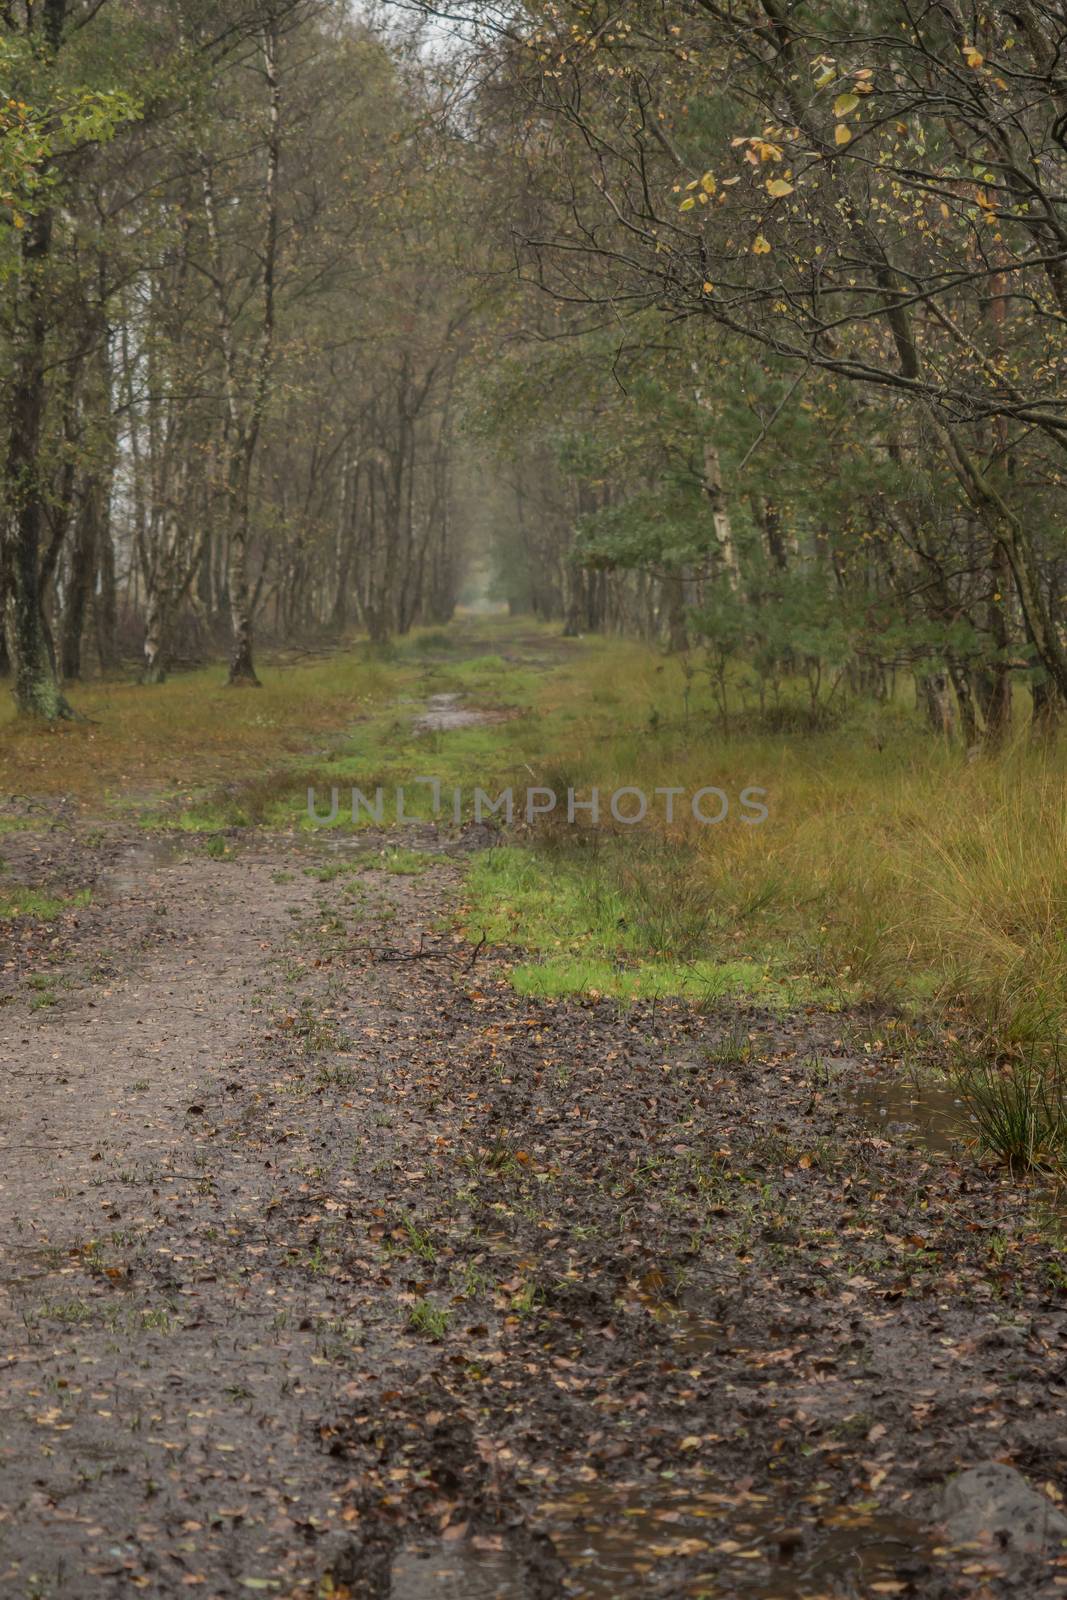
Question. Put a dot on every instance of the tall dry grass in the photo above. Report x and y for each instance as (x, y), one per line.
(889, 861)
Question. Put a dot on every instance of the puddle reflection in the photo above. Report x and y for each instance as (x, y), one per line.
(443, 711)
(928, 1116)
(457, 1572)
(614, 1540)
(125, 880)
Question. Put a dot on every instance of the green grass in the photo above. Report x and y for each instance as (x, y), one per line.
(381, 747)
(22, 824)
(335, 869)
(16, 901)
(890, 868)
(623, 918)
(429, 1320)
(405, 863)
(139, 741)
(700, 981)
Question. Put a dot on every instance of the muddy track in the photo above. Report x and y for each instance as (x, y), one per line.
(328, 1265)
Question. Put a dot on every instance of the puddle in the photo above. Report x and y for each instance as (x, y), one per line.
(443, 711)
(616, 1542)
(126, 879)
(22, 1265)
(458, 1573)
(694, 1335)
(930, 1117)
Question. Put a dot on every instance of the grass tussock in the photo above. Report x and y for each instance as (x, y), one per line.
(1019, 1108)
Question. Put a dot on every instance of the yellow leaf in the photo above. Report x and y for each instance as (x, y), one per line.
(709, 288)
(687, 205)
(707, 183)
(844, 104)
(841, 134)
(760, 247)
(973, 57)
(777, 188)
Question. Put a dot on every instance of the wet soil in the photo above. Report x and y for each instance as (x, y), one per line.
(445, 711)
(329, 1266)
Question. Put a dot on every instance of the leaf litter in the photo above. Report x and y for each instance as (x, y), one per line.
(442, 1285)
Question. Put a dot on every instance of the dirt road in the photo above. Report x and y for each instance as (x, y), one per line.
(329, 1265)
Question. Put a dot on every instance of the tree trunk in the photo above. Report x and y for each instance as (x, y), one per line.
(961, 683)
(349, 499)
(1046, 708)
(245, 415)
(769, 517)
(720, 516)
(105, 600)
(81, 577)
(155, 638)
(938, 703)
(996, 680)
(677, 630)
(34, 683)
(242, 670)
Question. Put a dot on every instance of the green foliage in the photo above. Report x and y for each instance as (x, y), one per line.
(44, 115)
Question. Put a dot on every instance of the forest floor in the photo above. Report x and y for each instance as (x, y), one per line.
(332, 1265)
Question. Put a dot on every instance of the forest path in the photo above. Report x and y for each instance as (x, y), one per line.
(331, 1266)
(100, 1075)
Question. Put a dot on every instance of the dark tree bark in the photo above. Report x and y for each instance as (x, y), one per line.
(105, 601)
(80, 578)
(34, 684)
(22, 518)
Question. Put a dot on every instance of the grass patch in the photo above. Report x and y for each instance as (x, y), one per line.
(889, 868)
(703, 981)
(140, 741)
(405, 863)
(22, 824)
(621, 918)
(378, 748)
(16, 902)
(334, 869)
(429, 1320)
